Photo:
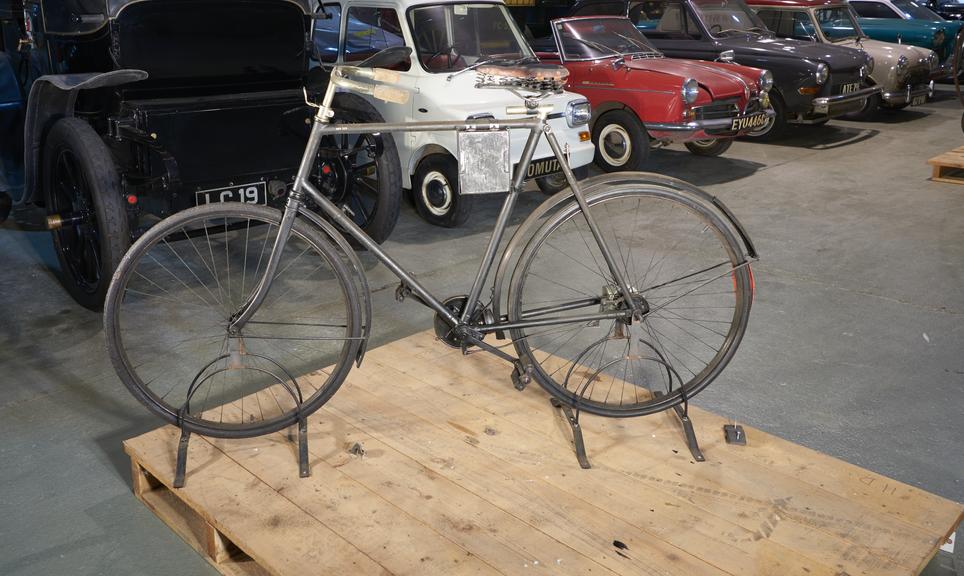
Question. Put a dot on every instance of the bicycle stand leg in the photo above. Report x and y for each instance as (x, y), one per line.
(303, 470)
(682, 412)
(577, 440)
(181, 465)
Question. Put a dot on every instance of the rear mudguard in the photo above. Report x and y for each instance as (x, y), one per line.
(53, 97)
(589, 186)
(362, 288)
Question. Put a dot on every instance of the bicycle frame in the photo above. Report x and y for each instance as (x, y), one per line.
(536, 123)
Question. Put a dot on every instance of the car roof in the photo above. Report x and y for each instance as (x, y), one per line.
(797, 3)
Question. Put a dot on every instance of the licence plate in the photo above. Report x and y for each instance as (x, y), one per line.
(749, 122)
(918, 100)
(850, 88)
(543, 167)
(253, 193)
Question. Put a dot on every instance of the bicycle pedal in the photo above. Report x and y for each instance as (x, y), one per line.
(521, 378)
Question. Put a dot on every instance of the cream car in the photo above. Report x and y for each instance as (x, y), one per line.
(902, 71)
(448, 40)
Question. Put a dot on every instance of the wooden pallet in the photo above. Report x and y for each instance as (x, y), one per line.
(462, 474)
(949, 166)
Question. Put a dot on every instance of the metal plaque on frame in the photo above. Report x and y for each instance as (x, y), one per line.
(484, 166)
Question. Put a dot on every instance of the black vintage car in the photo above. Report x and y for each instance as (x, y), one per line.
(116, 113)
(812, 82)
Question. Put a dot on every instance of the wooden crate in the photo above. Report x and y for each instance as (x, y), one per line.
(462, 474)
(949, 166)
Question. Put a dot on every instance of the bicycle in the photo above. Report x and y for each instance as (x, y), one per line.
(627, 294)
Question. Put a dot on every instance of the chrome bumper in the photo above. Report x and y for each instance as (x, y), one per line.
(825, 104)
(717, 124)
(907, 95)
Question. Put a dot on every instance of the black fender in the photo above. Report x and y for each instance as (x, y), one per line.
(53, 97)
(523, 233)
(358, 271)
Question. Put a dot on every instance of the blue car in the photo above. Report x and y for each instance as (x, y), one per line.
(910, 22)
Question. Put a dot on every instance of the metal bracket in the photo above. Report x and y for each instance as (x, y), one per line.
(682, 412)
(303, 469)
(734, 434)
(577, 440)
(181, 465)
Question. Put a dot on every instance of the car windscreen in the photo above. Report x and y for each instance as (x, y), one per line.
(594, 38)
(450, 37)
(837, 23)
(915, 10)
(728, 17)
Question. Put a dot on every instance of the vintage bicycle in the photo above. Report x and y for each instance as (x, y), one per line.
(624, 295)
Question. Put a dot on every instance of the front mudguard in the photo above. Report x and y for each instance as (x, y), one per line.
(53, 97)
(589, 186)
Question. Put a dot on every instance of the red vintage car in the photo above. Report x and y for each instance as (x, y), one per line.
(641, 99)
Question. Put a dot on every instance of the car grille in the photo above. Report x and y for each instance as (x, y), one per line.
(917, 75)
(717, 110)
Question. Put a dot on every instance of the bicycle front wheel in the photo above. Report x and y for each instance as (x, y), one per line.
(171, 301)
(683, 263)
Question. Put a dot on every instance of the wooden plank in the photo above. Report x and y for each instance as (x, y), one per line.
(483, 529)
(216, 483)
(532, 474)
(373, 524)
(824, 536)
(883, 495)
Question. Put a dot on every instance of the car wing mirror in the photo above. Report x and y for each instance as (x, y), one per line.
(387, 58)
(726, 56)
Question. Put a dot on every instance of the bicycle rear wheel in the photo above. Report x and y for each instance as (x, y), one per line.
(681, 260)
(168, 309)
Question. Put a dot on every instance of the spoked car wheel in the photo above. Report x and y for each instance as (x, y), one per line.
(712, 147)
(169, 308)
(435, 189)
(360, 172)
(86, 210)
(686, 270)
(621, 141)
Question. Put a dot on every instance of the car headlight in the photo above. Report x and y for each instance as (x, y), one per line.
(870, 65)
(939, 38)
(766, 80)
(690, 91)
(901, 64)
(822, 73)
(863, 72)
(933, 61)
(578, 113)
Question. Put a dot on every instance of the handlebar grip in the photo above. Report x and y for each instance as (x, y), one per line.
(389, 94)
(385, 75)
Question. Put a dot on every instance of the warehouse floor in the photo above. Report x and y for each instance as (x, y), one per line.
(855, 348)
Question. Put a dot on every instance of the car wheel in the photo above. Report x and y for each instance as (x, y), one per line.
(621, 141)
(777, 126)
(360, 173)
(713, 147)
(556, 182)
(84, 200)
(871, 104)
(436, 192)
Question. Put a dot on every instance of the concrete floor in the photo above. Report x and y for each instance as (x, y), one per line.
(855, 348)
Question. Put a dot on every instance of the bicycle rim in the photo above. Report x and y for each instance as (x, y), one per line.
(681, 261)
(168, 311)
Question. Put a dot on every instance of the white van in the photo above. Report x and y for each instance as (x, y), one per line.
(448, 40)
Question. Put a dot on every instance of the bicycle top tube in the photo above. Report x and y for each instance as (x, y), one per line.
(428, 126)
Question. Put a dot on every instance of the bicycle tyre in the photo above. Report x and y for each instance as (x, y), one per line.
(655, 355)
(122, 310)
